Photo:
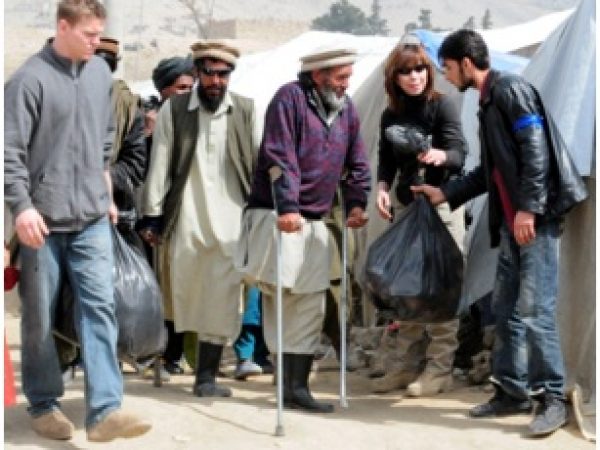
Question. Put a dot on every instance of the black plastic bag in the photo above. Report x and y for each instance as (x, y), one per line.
(138, 300)
(415, 268)
(138, 303)
(65, 334)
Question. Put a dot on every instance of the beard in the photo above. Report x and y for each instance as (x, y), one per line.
(465, 82)
(211, 100)
(330, 99)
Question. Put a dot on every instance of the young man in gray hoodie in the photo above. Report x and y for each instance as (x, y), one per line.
(57, 148)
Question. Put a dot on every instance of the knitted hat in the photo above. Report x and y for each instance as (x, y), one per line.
(324, 58)
(215, 49)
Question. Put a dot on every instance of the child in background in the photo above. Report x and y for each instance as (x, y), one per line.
(250, 347)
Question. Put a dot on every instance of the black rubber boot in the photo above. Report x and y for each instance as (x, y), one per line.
(296, 391)
(207, 365)
(174, 350)
(287, 379)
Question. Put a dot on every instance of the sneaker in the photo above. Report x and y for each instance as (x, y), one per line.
(501, 404)
(267, 367)
(550, 415)
(245, 369)
(117, 424)
(53, 425)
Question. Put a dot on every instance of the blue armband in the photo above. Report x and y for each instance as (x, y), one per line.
(530, 120)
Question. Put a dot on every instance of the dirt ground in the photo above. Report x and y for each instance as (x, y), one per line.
(247, 420)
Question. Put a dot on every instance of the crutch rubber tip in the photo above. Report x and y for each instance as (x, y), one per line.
(279, 431)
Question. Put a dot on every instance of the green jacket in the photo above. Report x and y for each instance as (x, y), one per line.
(125, 106)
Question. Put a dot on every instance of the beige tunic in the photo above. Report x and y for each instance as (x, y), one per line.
(305, 254)
(304, 277)
(302, 319)
(206, 289)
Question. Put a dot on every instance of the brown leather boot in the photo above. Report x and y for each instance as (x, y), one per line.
(437, 376)
(53, 425)
(117, 424)
(430, 383)
(393, 380)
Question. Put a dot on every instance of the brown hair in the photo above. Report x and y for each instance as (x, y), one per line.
(73, 10)
(403, 56)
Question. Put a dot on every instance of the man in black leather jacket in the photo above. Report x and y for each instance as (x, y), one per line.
(531, 183)
(129, 159)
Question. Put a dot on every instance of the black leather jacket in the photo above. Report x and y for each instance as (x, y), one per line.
(128, 172)
(520, 140)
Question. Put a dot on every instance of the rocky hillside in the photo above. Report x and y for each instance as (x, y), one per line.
(158, 28)
(445, 13)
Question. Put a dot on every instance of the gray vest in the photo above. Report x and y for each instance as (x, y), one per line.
(239, 145)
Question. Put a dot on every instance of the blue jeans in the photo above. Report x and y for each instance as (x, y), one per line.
(86, 259)
(527, 358)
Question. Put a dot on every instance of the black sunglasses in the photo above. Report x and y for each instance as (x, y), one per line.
(221, 73)
(408, 70)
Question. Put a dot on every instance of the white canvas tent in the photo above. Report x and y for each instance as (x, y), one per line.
(512, 38)
(260, 75)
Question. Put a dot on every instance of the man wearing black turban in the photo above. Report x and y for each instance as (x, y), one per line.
(173, 76)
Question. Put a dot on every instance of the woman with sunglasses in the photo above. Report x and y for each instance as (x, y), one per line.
(420, 134)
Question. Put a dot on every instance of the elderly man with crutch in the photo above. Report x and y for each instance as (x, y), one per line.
(311, 143)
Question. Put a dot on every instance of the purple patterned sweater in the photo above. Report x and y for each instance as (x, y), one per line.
(313, 156)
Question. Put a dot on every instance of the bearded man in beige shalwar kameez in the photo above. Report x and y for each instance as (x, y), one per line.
(199, 176)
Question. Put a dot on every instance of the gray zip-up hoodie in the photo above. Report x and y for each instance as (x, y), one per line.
(58, 133)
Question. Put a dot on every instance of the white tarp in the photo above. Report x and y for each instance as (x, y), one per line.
(522, 35)
(564, 71)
